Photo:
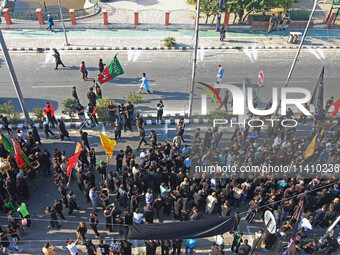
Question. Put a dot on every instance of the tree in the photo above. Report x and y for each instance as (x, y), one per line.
(69, 107)
(208, 7)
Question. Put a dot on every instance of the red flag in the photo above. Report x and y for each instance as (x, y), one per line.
(20, 156)
(95, 110)
(336, 108)
(72, 162)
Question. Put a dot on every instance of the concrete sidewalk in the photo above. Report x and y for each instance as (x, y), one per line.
(33, 40)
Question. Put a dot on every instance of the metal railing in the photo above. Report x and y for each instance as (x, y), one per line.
(30, 14)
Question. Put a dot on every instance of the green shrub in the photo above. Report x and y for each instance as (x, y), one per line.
(169, 41)
(69, 107)
(300, 15)
(259, 17)
(102, 105)
(9, 110)
(216, 114)
(38, 114)
(134, 97)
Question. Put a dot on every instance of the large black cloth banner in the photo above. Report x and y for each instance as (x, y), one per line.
(181, 230)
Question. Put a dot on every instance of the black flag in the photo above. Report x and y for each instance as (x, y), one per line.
(317, 98)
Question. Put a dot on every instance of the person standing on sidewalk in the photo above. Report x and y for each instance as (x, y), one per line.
(272, 22)
(83, 70)
(58, 61)
(50, 23)
(285, 20)
(145, 85)
(160, 107)
(222, 34)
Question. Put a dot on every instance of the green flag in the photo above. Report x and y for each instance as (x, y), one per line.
(7, 145)
(112, 70)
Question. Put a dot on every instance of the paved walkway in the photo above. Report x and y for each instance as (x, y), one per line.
(82, 39)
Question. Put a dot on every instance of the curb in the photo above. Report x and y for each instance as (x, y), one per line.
(76, 125)
(32, 49)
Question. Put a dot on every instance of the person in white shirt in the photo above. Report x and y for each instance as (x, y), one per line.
(138, 217)
(71, 246)
(149, 196)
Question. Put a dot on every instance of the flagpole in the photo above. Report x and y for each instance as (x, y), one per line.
(301, 43)
(14, 78)
(194, 63)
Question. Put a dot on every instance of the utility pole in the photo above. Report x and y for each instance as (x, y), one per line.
(194, 63)
(316, 2)
(62, 21)
(14, 78)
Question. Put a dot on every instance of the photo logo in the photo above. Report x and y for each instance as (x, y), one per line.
(239, 100)
(204, 96)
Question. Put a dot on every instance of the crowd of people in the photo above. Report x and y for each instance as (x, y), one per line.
(155, 181)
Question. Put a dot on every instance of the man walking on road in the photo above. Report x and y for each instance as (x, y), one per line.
(84, 140)
(225, 101)
(220, 74)
(49, 112)
(58, 61)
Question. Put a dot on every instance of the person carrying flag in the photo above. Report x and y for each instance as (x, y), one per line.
(91, 112)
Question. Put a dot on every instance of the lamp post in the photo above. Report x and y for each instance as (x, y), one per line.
(316, 2)
(62, 21)
(14, 78)
(193, 74)
(218, 21)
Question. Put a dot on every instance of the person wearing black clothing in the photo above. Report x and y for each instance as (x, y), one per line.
(30, 140)
(141, 138)
(184, 214)
(148, 214)
(72, 203)
(139, 122)
(245, 248)
(119, 161)
(63, 193)
(118, 129)
(311, 247)
(126, 246)
(47, 129)
(165, 247)
(84, 139)
(93, 117)
(128, 217)
(5, 123)
(62, 130)
(91, 96)
(225, 209)
(74, 94)
(35, 133)
(101, 66)
(58, 61)
(130, 110)
(91, 248)
(158, 205)
(176, 246)
(22, 188)
(151, 247)
(121, 112)
(160, 107)
(104, 248)
(51, 214)
(127, 121)
(94, 223)
(58, 207)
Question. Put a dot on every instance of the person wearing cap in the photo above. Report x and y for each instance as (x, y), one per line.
(50, 22)
(102, 168)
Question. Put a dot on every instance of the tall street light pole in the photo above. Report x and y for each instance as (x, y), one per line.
(14, 78)
(316, 2)
(194, 63)
(62, 21)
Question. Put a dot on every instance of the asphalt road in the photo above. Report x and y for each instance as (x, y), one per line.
(168, 73)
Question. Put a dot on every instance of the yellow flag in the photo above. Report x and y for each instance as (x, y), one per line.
(78, 148)
(310, 149)
(108, 144)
